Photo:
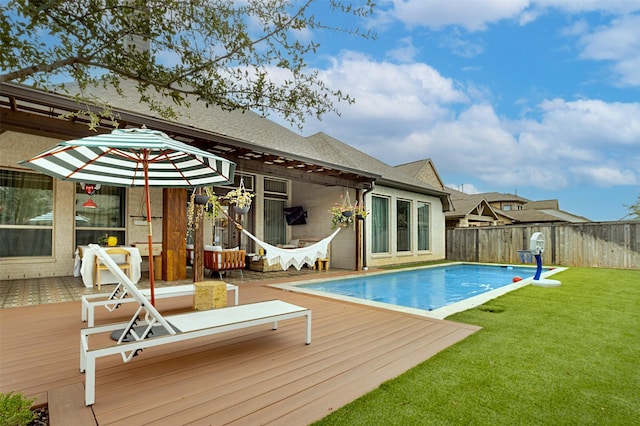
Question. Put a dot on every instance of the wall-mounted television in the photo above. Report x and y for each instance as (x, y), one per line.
(295, 215)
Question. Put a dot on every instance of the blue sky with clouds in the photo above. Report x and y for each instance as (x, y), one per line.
(539, 97)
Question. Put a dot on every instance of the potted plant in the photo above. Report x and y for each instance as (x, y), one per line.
(200, 206)
(103, 240)
(338, 218)
(240, 198)
(360, 212)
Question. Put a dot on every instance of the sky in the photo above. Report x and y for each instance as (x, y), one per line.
(538, 98)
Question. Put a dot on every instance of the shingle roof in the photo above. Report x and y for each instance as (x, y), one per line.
(249, 128)
(424, 170)
(496, 197)
(340, 153)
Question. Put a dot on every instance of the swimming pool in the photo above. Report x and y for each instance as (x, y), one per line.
(435, 291)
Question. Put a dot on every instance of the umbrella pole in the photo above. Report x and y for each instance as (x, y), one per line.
(149, 234)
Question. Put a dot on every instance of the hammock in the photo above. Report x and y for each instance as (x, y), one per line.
(297, 257)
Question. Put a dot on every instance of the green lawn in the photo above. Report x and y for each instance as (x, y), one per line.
(566, 355)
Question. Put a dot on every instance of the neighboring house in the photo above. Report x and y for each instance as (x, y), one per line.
(471, 210)
(489, 208)
(284, 169)
(543, 211)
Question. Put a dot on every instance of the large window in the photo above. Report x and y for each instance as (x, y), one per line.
(107, 217)
(26, 214)
(276, 197)
(423, 226)
(380, 224)
(403, 225)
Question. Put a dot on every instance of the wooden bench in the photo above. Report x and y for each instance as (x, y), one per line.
(139, 333)
(112, 301)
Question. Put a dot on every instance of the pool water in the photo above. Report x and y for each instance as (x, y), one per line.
(428, 289)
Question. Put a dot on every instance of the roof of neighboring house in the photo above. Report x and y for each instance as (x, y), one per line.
(532, 211)
(528, 216)
(494, 197)
(542, 204)
(466, 204)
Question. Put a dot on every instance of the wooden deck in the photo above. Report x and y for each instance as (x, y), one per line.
(251, 376)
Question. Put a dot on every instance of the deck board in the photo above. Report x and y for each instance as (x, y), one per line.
(251, 376)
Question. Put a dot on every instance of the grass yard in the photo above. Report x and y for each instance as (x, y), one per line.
(556, 356)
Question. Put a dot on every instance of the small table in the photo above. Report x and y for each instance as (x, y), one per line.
(209, 295)
(322, 263)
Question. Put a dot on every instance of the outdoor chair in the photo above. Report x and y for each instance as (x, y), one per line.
(225, 260)
(148, 328)
(123, 262)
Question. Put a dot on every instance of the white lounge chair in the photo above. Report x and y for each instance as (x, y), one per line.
(112, 301)
(177, 327)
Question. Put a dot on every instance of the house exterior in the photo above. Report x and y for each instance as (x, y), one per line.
(42, 219)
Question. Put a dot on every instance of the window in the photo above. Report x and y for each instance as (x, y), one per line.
(276, 197)
(275, 187)
(275, 231)
(506, 207)
(423, 226)
(107, 218)
(247, 180)
(403, 225)
(26, 214)
(380, 224)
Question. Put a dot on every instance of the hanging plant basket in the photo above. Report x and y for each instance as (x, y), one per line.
(240, 198)
(201, 200)
(343, 214)
(241, 210)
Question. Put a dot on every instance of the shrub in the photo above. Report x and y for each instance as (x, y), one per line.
(15, 409)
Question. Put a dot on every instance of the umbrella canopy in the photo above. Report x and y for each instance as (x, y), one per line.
(134, 157)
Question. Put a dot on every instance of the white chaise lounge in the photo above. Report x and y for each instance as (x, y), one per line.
(112, 301)
(177, 327)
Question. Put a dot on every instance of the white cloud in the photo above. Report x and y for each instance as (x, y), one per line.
(475, 15)
(404, 93)
(607, 175)
(467, 188)
(619, 43)
(593, 123)
(460, 46)
(574, 6)
(407, 112)
(405, 52)
(471, 14)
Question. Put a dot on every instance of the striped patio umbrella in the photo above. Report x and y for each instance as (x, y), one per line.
(134, 157)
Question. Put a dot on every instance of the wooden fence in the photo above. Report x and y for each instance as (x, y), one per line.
(597, 244)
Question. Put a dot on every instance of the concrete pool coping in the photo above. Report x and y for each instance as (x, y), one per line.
(439, 313)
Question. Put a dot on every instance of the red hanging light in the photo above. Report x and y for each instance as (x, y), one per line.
(90, 204)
